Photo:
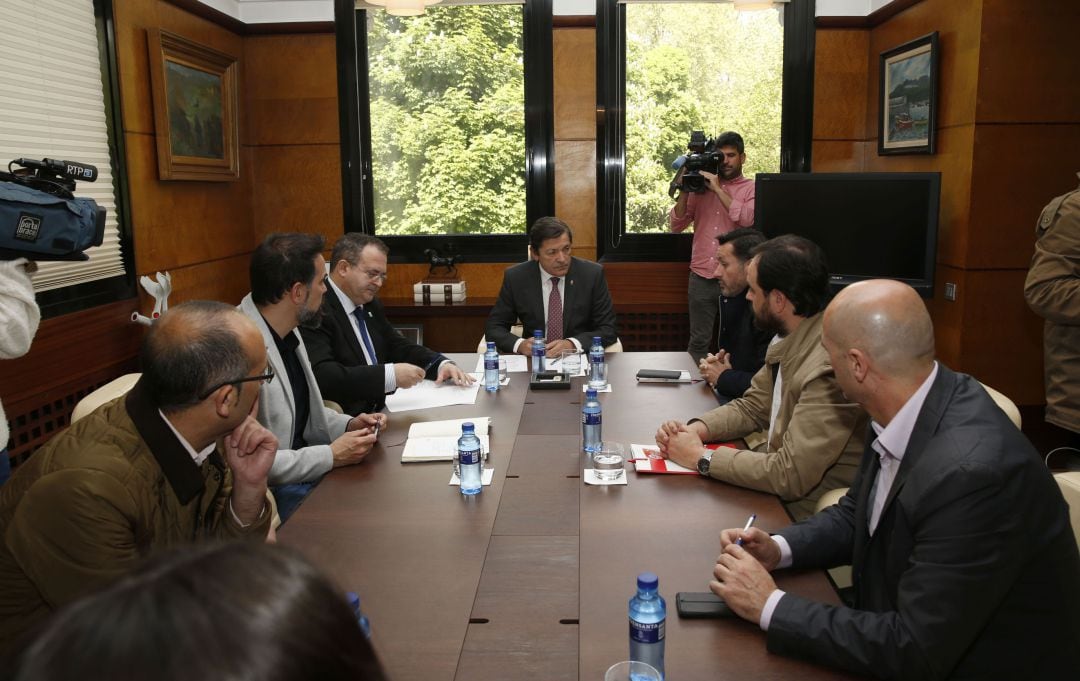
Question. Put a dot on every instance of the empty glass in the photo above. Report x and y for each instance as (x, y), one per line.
(570, 362)
(608, 461)
(631, 671)
(502, 370)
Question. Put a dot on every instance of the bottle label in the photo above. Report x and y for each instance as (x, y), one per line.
(590, 419)
(647, 632)
(491, 364)
(469, 456)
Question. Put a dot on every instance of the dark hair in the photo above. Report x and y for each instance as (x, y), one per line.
(281, 261)
(796, 267)
(548, 228)
(730, 139)
(351, 245)
(231, 612)
(743, 241)
(191, 348)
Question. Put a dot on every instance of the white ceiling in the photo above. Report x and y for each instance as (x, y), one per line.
(288, 11)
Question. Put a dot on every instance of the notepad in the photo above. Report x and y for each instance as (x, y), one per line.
(437, 440)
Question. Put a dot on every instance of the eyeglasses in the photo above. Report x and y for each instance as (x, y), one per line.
(268, 377)
(375, 274)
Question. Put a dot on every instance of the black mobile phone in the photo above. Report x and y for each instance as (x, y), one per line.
(701, 606)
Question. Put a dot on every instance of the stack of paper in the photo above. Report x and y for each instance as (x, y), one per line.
(437, 440)
(647, 459)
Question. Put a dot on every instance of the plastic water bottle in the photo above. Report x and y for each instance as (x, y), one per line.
(538, 351)
(596, 361)
(354, 602)
(648, 617)
(591, 422)
(491, 368)
(469, 466)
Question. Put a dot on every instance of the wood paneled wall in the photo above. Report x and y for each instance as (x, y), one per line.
(1008, 142)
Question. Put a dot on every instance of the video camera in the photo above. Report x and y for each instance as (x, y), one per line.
(703, 156)
(40, 218)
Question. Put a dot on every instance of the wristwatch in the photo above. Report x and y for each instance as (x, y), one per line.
(704, 461)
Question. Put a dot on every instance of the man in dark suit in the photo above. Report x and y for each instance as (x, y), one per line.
(963, 560)
(358, 357)
(553, 281)
(741, 343)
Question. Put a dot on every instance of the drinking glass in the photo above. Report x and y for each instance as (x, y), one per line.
(608, 461)
(600, 380)
(571, 362)
(502, 370)
(631, 671)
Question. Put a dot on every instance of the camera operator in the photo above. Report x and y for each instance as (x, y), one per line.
(726, 203)
(19, 318)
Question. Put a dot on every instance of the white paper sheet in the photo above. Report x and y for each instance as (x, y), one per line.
(428, 394)
(437, 440)
(514, 364)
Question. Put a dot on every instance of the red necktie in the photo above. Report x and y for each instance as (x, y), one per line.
(554, 325)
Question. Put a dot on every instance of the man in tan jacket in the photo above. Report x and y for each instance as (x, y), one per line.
(178, 459)
(1052, 290)
(802, 436)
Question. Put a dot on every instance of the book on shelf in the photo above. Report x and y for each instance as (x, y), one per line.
(437, 440)
(437, 290)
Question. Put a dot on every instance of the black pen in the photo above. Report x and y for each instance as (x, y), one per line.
(749, 524)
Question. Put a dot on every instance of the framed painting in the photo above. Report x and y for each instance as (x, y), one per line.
(907, 118)
(195, 109)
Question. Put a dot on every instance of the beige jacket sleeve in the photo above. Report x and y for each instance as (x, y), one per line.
(821, 427)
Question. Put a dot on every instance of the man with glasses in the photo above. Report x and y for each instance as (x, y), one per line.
(286, 290)
(357, 355)
(180, 458)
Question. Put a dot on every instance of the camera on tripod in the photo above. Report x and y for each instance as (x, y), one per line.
(704, 155)
(40, 218)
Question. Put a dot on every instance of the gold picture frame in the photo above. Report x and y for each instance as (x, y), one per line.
(195, 109)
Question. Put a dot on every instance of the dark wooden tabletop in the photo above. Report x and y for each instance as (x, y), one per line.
(531, 578)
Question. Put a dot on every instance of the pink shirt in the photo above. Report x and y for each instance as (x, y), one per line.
(711, 219)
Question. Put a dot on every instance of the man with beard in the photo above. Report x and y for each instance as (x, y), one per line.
(802, 436)
(742, 345)
(286, 289)
(357, 355)
(727, 203)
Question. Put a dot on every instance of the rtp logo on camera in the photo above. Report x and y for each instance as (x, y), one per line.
(29, 227)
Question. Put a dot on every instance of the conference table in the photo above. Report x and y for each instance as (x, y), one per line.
(530, 579)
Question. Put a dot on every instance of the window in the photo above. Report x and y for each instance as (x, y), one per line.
(445, 147)
(665, 69)
(57, 103)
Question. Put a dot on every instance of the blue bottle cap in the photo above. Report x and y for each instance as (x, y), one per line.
(596, 340)
(539, 333)
(590, 392)
(353, 600)
(491, 345)
(647, 581)
(467, 427)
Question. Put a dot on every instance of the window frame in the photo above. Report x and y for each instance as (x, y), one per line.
(796, 128)
(78, 297)
(356, 179)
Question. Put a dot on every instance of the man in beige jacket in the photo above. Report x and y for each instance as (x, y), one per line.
(802, 436)
(1052, 291)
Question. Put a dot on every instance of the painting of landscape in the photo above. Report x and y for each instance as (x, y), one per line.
(195, 111)
(908, 86)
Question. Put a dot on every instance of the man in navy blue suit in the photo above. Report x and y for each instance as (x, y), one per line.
(963, 560)
(359, 357)
(565, 297)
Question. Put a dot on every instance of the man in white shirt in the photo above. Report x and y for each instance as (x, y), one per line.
(963, 560)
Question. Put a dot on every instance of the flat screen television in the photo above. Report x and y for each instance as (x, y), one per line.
(870, 225)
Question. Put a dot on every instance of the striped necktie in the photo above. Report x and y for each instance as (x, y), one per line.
(554, 325)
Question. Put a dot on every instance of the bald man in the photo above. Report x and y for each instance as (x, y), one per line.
(178, 459)
(964, 563)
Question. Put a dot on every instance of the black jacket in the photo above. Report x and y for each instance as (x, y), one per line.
(746, 343)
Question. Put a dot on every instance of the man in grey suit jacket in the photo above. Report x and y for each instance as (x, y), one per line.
(286, 289)
(963, 559)
(552, 278)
